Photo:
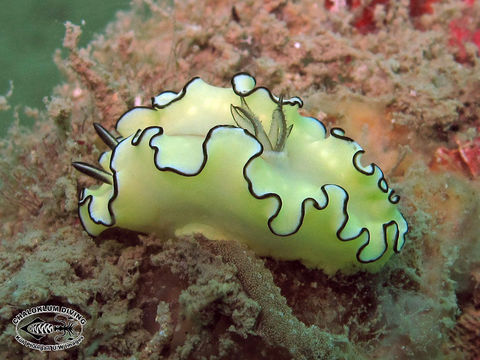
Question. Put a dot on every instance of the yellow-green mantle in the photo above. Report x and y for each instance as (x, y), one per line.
(242, 164)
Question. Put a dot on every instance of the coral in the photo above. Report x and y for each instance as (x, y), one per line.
(399, 90)
(106, 99)
(465, 335)
(278, 325)
(367, 12)
(465, 158)
(464, 30)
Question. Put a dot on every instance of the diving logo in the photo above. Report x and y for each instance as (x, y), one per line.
(49, 327)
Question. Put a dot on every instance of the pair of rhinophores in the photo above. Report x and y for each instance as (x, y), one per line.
(242, 164)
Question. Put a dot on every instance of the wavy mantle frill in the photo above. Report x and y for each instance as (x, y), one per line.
(202, 160)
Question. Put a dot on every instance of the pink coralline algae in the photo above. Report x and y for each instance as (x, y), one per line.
(463, 30)
(465, 158)
(364, 22)
(460, 34)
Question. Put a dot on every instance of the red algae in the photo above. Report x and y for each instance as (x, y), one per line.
(396, 75)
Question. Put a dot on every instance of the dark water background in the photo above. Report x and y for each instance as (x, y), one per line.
(30, 31)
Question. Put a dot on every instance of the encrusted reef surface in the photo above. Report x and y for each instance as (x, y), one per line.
(401, 77)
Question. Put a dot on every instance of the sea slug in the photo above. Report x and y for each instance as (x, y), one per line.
(241, 164)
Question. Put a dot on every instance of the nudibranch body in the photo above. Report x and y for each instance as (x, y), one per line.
(242, 164)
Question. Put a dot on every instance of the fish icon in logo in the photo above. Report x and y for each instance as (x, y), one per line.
(38, 328)
(49, 327)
